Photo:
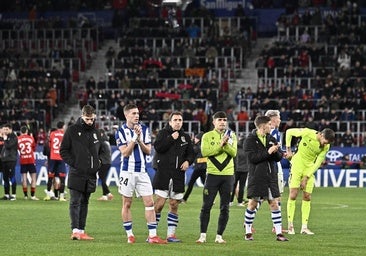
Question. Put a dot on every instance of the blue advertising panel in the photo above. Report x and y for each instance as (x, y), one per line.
(344, 167)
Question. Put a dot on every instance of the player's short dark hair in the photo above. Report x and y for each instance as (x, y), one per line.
(259, 120)
(129, 107)
(23, 129)
(219, 114)
(8, 125)
(60, 124)
(175, 113)
(88, 110)
(328, 134)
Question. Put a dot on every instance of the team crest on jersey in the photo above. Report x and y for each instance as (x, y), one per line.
(183, 139)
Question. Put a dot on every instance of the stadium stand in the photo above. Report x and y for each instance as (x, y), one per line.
(308, 71)
(40, 62)
(314, 72)
(170, 72)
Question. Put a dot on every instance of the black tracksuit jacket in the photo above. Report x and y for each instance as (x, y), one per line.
(169, 156)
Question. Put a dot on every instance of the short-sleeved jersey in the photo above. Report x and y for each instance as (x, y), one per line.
(26, 148)
(55, 143)
(136, 162)
(310, 154)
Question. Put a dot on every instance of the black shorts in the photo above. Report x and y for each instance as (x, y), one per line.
(25, 168)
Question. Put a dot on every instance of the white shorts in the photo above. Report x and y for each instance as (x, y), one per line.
(169, 193)
(129, 182)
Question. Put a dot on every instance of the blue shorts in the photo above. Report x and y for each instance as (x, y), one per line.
(56, 166)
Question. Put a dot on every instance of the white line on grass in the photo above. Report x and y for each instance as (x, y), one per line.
(335, 206)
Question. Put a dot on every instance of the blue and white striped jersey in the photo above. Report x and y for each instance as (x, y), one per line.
(276, 133)
(136, 162)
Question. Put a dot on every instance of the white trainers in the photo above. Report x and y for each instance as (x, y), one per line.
(306, 231)
(34, 198)
(291, 230)
(219, 240)
(110, 196)
(49, 193)
(103, 198)
(202, 239)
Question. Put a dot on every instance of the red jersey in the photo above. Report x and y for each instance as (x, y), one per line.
(26, 148)
(55, 144)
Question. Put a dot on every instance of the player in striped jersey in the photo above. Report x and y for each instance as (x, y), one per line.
(275, 124)
(133, 139)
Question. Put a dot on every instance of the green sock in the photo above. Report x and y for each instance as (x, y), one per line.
(305, 212)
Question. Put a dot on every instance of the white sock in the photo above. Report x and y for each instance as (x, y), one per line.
(129, 232)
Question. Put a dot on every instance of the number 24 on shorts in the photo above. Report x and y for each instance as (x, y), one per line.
(123, 181)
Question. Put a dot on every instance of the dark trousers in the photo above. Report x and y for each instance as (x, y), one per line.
(214, 184)
(9, 176)
(103, 172)
(197, 173)
(241, 178)
(79, 202)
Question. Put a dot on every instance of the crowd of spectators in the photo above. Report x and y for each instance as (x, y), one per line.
(189, 70)
(315, 80)
(306, 76)
(39, 64)
(299, 77)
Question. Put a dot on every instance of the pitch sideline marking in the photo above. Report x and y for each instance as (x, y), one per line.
(335, 206)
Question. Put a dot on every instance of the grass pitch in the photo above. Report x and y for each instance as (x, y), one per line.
(43, 228)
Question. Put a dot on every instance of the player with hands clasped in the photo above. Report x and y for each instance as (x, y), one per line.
(262, 151)
(220, 147)
(310, 154)
(174, 154)
(134, 142)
